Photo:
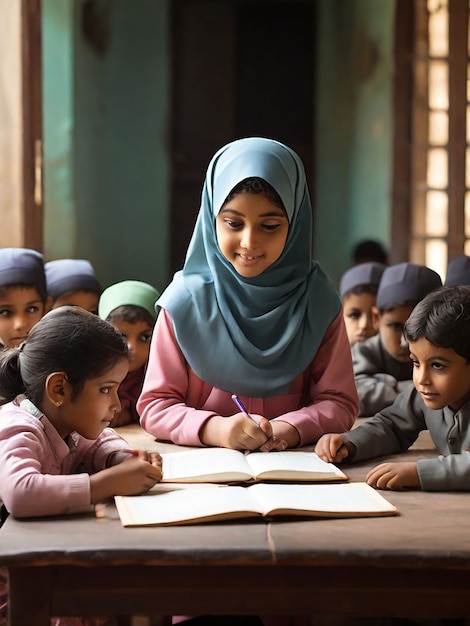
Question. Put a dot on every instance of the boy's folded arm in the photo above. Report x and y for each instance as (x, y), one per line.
(392, 430)
(445, 473)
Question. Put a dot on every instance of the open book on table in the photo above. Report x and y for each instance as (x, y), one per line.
(215, 503)
(218, 465)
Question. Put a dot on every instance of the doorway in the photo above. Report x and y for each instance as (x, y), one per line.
(239, 68)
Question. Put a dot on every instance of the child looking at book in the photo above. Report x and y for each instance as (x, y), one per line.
(251, 313)
(73, 282)
(130, 307)
(23, 293)
(358, 291)
(438, 335)
(382, 367)
(57, 455)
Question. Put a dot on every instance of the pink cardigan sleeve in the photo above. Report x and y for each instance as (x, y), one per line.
(171, 394)
(175, 403)
(332, 404)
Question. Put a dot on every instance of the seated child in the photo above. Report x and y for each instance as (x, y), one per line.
(73, 282)
(251, 313)
(23, 293)
(438, 335)
(458, 271)
(358, 291)
(130, 307)
(57, 455)
(382, 366)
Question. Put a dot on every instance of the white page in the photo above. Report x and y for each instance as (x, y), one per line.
(185, 505)
(353, 498)
(291, 460)
(206, 462)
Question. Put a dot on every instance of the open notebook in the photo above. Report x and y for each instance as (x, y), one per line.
(215, 503)
(218, 465)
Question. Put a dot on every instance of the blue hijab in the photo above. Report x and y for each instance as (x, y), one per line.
(251, 336)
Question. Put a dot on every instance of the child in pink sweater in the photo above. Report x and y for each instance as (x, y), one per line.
(251, 313)
(57, 454)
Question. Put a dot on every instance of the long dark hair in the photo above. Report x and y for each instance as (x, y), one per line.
(68, 339)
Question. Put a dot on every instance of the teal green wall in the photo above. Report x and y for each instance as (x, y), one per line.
(117, 119)
(58, 95)
(353, 127)
(106, 113)
(121, 169)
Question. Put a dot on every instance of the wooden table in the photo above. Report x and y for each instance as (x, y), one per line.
(414, 565)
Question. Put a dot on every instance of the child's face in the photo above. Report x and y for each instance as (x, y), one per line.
(441, 376)
(357, 312)
(20, 309)
(138, 338)
(251, 232)
(390, 326)
(96, 405)
(87, 300)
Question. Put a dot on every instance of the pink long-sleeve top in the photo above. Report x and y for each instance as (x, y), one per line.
(41, 473)
(175, 403)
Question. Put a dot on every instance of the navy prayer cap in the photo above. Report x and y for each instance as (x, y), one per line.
(64, 275)
(362, 274)
(458, 271)
(23, 266)
(406, 282)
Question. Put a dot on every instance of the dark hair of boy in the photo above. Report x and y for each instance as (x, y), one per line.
(368, 250)
(130, 313)
(443, 319)
(61, 341)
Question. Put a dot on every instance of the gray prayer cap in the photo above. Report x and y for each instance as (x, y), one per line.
(458, 271)
(406, 282)
(64, 275)
(362, 274)
(23, 266)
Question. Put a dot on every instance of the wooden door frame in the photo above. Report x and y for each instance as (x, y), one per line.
(31, 62)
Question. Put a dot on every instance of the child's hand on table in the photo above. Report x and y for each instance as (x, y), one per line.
(334, 448)
(136, 475)
(394, 476)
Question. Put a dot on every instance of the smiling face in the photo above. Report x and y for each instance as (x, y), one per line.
(20, 308)
(251, 233)
(441, 376)
(95, 406)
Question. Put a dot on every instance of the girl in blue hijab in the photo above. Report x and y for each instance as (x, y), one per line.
(252, 314)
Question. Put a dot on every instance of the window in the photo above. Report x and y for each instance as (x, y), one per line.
(438, 213)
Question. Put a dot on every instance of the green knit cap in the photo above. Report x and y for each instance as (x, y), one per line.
(133, 292)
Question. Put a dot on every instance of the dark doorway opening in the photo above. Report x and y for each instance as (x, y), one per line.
(240, 68)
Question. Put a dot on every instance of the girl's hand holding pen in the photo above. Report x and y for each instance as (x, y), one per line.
(272, 442)
(334, 448)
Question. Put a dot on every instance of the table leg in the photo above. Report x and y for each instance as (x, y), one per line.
(28, 596)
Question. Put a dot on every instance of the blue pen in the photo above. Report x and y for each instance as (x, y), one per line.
(242, 408)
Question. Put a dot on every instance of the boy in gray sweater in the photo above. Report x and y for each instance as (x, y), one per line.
(382, 366)
(438, 335)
